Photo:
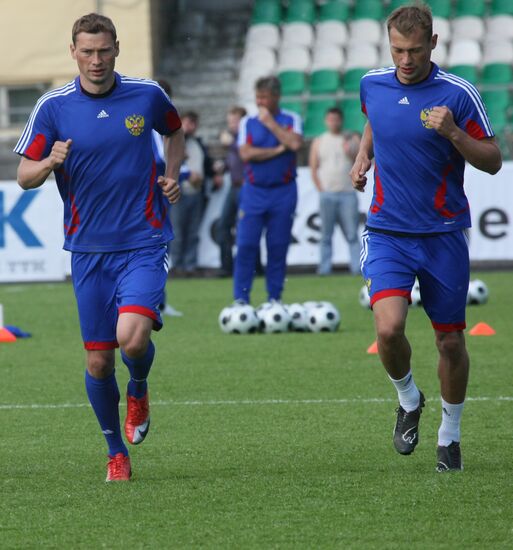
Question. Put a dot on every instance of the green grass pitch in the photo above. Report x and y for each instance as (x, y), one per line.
(258, 441)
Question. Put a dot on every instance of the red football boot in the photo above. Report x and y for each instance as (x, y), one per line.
(137, 422)
(118, 468)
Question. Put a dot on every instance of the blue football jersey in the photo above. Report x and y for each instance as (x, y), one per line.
(418, 176)
(108, 183)
(275, 171)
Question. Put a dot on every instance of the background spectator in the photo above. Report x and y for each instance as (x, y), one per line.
(331, 158)
(186, 215)
(235, 169)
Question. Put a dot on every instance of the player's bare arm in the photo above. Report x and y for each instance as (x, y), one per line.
(483, 154)
(175, 152)
(249, 153)
(352, 146)
(33, 173)
(290, 139)
(363, 160)
(313, 162)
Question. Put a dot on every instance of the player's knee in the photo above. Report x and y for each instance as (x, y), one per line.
(450, 344)
(391, 331)
(135, 346)
(100, 365)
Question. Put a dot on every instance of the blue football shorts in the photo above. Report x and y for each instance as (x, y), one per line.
(108, 284)
(271, 207)
(390, 264)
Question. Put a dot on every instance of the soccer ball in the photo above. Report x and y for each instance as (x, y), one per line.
(324, 318)
(298, 317)
(364, 297)
(239, 319)
(416, 299)
(225, 318)
(261, 308)
(274, 318)
(310, 305)
(477, 292)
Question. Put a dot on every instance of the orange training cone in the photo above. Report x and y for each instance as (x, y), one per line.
(373, 348)
(6, 336)
(481, 329)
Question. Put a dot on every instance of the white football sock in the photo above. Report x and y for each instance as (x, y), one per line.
(449, 430)
(407, 391)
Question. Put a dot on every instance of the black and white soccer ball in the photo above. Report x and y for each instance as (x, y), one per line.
(416, 298)
(477, 292)
(274, 318)
(298, 317)
(311, 304)
(364, 298)
(225, 318)
(239, 319)
(325, 317)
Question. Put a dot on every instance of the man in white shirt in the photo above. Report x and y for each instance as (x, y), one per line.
(331, 157)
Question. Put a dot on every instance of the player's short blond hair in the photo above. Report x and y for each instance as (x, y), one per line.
(407, 19)
(93, 23)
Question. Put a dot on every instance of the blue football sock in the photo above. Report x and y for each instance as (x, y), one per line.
(139, 369)
(244, 271)
(276, 269)
(104, 398)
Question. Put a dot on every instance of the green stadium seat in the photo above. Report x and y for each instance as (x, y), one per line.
(468, 72)
(294, 106)
(354, 119)
(292, 82)
(314, 125)
(497, 73)
(368, 9)
(397, 4)
(440, 8)
(324, 81)
(318, 107)
(498, 118)
(496, 99)
(336, 10)
(350, 103)
(351, 80)
(301, 11)
(502, 7)
(266, 11)
(475, 8)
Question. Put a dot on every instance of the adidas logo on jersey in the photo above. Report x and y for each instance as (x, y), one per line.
(404, 101)
(102, 114)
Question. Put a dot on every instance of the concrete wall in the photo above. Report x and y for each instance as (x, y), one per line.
(35, 38)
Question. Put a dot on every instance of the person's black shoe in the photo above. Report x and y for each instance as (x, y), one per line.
(449, 458)
(406, 431)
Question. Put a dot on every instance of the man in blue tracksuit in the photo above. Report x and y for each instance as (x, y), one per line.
(268, 143)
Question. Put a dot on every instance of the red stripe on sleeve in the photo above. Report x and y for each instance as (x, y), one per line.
(36, 149)
(474, 130)
(173, 121)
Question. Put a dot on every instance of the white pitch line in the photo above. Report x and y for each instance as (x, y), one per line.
(39, 406)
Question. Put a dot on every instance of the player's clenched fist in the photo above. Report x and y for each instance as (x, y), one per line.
(170, 188)
(360, 167)
(441, 119)
(59, 153)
